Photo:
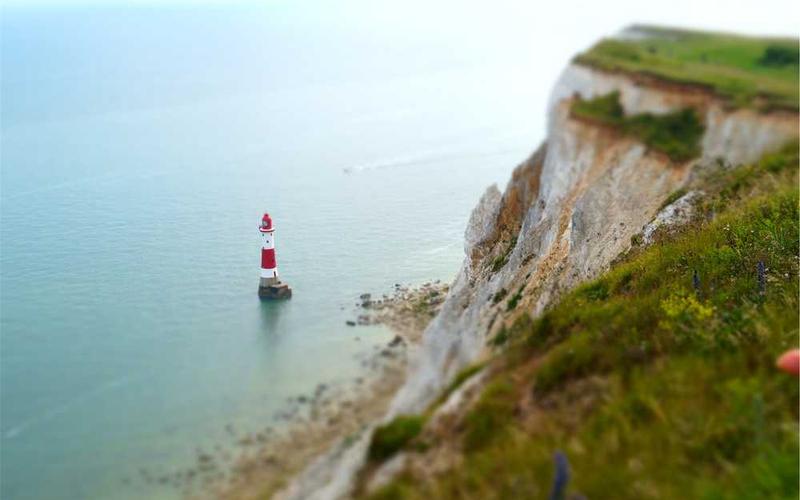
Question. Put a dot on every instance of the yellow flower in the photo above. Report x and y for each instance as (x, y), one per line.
(687, 307)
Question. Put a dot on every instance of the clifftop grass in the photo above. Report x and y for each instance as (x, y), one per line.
(676, 134)
(652, 385)
(749, 72)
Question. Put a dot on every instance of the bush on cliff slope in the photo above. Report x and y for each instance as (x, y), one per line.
(780, 55)
(652, 385)
(390, 438)
(675, 134)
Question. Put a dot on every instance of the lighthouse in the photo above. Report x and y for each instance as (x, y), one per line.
(269, 285)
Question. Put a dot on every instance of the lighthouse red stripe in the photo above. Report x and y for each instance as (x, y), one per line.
(268, 258)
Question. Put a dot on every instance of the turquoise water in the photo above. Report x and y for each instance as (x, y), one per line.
(134, 172)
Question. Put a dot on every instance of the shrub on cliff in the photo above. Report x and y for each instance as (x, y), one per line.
(487, 421)
(605, 109)
(390, 438)
(780, 55)
(675, 134)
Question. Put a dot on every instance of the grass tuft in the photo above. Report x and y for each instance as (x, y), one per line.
(459, 379)
(390, 438)
(514, 300)
(490, 416)
(673, 197)
(502, 259)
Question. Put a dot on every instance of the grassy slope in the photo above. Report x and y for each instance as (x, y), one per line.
(738, 68)
(652, 387)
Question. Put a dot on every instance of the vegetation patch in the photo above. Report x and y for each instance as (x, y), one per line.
(734, 183)
(514, 300)
(780, 55)
(517, 328)
(673, 197)
(606, 109)
(501, 260)
(500, 295)
(500, 338)
(459, 379)
(747, 71)
(675, 134)
(491, 415)
(574, 358)
(390, 438)
(597, 290)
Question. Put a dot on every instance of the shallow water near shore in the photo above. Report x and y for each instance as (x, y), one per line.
(132, 336)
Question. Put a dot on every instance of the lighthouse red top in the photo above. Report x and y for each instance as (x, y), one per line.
(266, 224)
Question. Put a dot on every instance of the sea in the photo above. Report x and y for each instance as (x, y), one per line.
(140, 146)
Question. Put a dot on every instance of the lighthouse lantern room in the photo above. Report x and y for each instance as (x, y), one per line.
(270, 285)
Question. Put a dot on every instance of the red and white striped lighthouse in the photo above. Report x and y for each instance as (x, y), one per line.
(270, 286)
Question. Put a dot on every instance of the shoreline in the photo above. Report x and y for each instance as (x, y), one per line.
(335, 412)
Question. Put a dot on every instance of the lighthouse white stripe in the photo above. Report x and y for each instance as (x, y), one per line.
(267, 240)
(269, 273)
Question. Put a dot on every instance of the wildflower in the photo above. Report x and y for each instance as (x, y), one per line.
(561, 477)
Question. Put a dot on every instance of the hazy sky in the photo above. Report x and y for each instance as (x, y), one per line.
(562, 26)
(572, 17)
(320, 40)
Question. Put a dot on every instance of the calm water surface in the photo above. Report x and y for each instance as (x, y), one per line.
(134, 172)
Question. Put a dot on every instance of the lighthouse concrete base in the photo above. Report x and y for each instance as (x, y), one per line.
(275, 292)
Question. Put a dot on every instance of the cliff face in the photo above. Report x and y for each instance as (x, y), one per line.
(568, 211)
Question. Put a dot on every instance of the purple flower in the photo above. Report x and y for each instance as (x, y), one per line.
(561, 477)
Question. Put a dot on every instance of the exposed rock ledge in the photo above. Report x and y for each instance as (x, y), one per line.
(567, 212)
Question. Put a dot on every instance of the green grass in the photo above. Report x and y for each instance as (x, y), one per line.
(490, 416)
(675, 134)
(651, 388)
(514, 300)
(606, 109)
(390, 438)
(673, 197)
(747, 71)
(461, 377)
(501, 260)
(500, 295)
(507, 333)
